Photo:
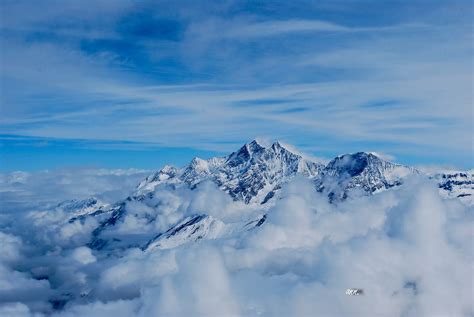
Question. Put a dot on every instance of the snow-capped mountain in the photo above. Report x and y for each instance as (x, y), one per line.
(364, 171)
(252, 175)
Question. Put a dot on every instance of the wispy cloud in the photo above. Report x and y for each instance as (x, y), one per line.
(273, 28)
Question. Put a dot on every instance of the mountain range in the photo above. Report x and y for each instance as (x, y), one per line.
(254, 175)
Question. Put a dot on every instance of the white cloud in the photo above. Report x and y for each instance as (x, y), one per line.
(15, 309)
(408, 249)
(83, 255)
(271, 28)
(384, 156)
(282, 27)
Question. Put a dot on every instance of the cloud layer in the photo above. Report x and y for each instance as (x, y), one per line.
(408, 249)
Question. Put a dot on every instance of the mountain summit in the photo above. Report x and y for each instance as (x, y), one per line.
(364, 171)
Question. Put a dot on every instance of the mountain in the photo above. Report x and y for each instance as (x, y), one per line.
(364, 171)
(153, 217)
(81, 208)
(252, 174)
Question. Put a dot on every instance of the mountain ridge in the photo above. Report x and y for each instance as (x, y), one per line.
(253, 175)
(271, 166)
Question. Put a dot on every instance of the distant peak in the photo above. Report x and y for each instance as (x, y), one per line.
(254, 142)
(255, 145)
(277, 143)
(353, 163)
(286, 146)
(357, 156)
(261, 142)
(368, 155)
(196, 159)
(198, 162)
(168, 168)
(278, 146)
(252, 147)
(246, 153)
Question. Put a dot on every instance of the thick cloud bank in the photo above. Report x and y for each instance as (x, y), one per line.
(408, 249)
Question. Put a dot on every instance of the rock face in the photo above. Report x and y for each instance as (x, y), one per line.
(252, 175)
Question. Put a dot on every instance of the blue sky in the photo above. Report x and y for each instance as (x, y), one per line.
(144, 83)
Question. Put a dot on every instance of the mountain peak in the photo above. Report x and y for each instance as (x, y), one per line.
(354, 163)
(168, 169)
(258, 142)
(362, 170)
(199, 163)
(277, 145)
(262, 142)
(257, 146)
(245, 153)
(254, 146)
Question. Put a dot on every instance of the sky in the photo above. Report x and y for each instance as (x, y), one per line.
(122, 84)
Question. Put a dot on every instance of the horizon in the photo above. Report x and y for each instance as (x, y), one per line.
(149, 157)
(126, 84)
